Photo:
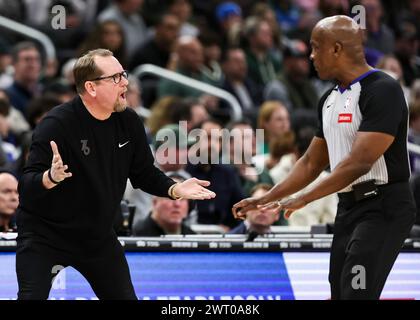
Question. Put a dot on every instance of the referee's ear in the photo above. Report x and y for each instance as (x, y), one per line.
(338, 48)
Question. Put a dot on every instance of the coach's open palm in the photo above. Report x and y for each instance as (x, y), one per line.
(193, 189)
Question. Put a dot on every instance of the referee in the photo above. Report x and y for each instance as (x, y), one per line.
(81, 155)
(362, 136)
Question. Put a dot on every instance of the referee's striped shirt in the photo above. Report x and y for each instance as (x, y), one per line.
(374, 102)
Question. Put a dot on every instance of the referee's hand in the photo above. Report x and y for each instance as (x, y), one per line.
(291, 205)
(58, 169)
(240, 209)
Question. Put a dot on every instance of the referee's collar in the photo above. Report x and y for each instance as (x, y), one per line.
(359, 78)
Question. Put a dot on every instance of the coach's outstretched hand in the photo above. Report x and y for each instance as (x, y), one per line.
(193, 189)
(57, 172)
(58, 169)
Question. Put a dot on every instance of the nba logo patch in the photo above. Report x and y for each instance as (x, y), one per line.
(347, 104)
(345, 118)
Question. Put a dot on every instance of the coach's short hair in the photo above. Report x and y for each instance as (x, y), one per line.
(86, 69)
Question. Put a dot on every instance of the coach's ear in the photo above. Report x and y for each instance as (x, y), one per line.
(90, 88)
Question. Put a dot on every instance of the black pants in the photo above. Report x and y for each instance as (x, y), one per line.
(106, 269)
(368, 236)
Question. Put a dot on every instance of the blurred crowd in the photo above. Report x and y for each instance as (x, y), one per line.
(256, 50)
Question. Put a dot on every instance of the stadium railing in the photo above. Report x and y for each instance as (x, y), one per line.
(30, 33)
(236, 111)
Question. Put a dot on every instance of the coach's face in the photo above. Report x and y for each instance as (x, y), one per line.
(111, 91)
(322, 54)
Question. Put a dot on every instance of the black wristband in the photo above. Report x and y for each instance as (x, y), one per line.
(51, 178)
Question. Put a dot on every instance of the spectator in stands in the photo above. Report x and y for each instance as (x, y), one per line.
(415, 92)
(190, 61)
(415, 185)
(182, 112)
(39, 107)
(182, 9)
(125, 12)
(59, 89)
(411, 12)
(282, 146)
(9, 149)
(414, 136)
(161, 114)
(4, 163)
(264, 12)
(379, 35)
(9, 201)
(309, 16)
(392, 66)
(294, 88)
(190, 110)
(281, 157)
(167, 216)
(223, 178)
(242, 149)
(212, 54)
(133, 96)
(289, 147)
(67, 37)
(110, 35)
(15, 119)
(333, 7)
(274, 119)
(406, 46)
(67, 72)
(263, 65)
(229, 19)
(287, 14)
(157, 49)
(199, 114)
(27, 65)
(259, 221)
(171, 147)
(6, 72)
(38, 12)
(238, 83)
(14, 10)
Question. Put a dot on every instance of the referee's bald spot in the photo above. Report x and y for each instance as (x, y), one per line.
(341, 29)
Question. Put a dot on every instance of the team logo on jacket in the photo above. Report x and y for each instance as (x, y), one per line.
(85, 148)
(345, 118)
